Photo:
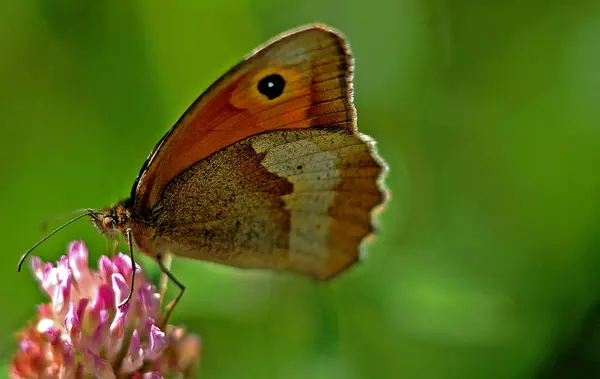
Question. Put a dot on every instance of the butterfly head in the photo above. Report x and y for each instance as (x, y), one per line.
(112, 220)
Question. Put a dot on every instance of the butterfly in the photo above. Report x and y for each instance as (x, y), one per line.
(266, 169)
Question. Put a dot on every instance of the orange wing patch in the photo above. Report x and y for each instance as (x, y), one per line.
(316, 68)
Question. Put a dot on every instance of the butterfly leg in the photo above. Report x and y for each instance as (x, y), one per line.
(167, 272)
(164, 279)
(133, 268)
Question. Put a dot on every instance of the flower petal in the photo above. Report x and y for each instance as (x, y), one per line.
(68, 354)
(62, 295)
(120, 288)
(45, 324)
(46, 275)
(105, 299)
(99, 336)
(38, 268)
(148, 303)
(62, 268)
(117, 327)
(81, 308)
(135, 355)
(123, 263)
(116, 331)
(152, 375)
(72, 323)
(78, 260)
(26, 345)
(53, 335)
(157, 343)
(107, 268)
(97, 366)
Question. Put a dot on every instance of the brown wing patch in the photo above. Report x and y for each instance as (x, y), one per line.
(294, 200)
(221, 207)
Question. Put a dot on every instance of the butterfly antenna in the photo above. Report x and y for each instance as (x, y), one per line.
(59, 216)
(87, 213)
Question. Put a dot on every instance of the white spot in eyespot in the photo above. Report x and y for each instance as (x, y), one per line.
(270, 85)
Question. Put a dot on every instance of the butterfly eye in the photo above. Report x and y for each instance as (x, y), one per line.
(108, 222)
(271, 86)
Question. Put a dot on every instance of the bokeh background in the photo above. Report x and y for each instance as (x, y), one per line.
(487, 261)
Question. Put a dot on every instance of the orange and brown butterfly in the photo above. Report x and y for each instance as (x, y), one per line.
(266, 169)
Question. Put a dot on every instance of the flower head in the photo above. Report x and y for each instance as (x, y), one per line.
(82, 333)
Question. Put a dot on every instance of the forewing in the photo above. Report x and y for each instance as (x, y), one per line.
(317, 69)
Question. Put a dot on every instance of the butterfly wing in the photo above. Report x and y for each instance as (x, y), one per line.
(250, 180)
(296, 200)
(316, 67)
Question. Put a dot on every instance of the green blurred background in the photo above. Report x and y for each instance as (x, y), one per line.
(487, 112)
